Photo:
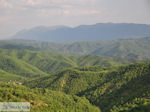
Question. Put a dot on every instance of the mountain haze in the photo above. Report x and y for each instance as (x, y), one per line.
(100, 31)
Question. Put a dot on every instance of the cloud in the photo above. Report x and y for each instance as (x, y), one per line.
(63, 4)
(147, 4)
(33, 2)
(5, 4)
(66, 12)
(48, 13)
(76, 2)
(61, 7)
(29, 13)
(81, 12)
(5, 19)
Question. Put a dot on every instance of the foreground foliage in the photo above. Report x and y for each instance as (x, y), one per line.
(115, 89)
(43, 100)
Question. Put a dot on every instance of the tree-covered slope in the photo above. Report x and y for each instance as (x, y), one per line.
(94, 60)
(122, 88)
(129, 48)
(32, 64)
(112, 89)
(71, 81)
(19, 67)
(43, 100)
(7, 77)
(68, 81)
(47, 62)
(51, 62)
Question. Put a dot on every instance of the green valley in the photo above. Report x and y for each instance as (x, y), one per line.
(102, 76)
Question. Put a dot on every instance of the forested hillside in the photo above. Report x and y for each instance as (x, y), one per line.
(44, 100)
(129, 48)
(6, 77)
(114, 89)
(18, 67)
(49, 62)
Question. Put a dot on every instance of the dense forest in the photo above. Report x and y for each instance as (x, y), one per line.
(111, 89)
(137, 48)
(44, 100)
(103, 76)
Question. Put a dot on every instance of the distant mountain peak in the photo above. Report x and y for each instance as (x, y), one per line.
(95, 32)
(49, 27)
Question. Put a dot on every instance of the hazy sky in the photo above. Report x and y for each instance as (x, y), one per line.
(16, 15)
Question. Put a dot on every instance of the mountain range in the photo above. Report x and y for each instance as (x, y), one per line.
(99, 31)
(137, 48)
(108, 71)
